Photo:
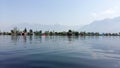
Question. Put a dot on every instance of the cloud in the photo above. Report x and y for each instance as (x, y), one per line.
(108, 13)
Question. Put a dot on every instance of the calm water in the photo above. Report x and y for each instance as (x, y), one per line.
(59, 52)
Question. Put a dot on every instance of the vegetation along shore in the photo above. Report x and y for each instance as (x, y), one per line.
(26, 32)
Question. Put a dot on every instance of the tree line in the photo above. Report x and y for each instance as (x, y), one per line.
(15, 31)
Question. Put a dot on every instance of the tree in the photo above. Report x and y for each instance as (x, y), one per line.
(69, 33)
(76, 33)
(97, 34)
(40, 32)
(69, 30)
(15, 31)
(0, 32)
(12, 31)
(46, 33)
(50, 33)
(25, 30)
(30, 32)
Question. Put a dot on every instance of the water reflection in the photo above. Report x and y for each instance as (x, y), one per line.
(56, 52)
(30, 39)
(50, 38)
(25, 39)
(15, 39)
(89, 37)
(38, 38)
(72, 38)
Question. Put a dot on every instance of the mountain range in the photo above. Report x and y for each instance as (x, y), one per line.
(43, 27)
(106, 25)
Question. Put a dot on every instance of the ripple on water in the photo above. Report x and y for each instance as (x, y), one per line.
(59, 52)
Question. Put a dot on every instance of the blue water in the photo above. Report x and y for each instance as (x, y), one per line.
(59, 52)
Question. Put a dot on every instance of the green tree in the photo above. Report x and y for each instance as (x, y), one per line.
(76, 33)
(12, 31)
(25, 30)
(30, 32)
(69, 33)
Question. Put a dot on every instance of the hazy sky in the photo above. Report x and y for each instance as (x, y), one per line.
(64, 12)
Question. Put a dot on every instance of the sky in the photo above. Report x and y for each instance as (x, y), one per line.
(64, 12)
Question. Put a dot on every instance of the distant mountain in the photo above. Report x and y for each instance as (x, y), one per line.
(106, 25)
(55, 27)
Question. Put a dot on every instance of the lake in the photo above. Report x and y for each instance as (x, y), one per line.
(59, 52)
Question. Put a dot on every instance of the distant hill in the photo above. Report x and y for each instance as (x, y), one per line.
(54, 27)
(106, 25)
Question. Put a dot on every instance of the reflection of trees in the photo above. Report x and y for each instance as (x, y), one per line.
(38, 38)
(60, 38)
(25, 39)
(14, 38)
(69, 38)
(30, 39)
(47, 38)
(72, 38)
(88, 37)
(82, 37)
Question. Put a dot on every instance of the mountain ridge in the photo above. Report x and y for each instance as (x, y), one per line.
(105, 25)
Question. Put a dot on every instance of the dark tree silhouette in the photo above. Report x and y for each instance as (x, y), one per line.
(25, 30)
(69, 33)
(30, 32)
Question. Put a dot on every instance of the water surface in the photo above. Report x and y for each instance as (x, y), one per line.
(59, 52)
